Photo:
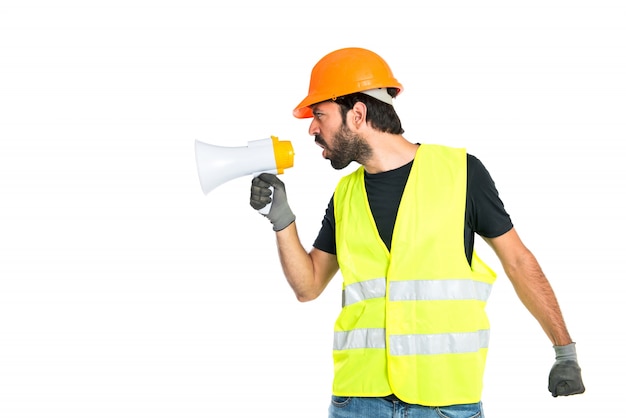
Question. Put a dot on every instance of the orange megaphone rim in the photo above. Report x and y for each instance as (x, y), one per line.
(283, 154)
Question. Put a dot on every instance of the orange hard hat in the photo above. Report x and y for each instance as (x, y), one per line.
(346, 71)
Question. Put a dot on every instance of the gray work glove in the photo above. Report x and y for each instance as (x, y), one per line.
(565, 378)
(280, 214)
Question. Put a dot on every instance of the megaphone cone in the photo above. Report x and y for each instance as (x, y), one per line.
(217, 165)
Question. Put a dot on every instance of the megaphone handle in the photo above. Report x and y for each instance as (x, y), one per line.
(266, 209)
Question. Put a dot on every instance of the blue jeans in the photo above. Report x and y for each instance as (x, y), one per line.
(391, 407)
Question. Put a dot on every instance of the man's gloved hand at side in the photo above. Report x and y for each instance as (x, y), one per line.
(565, 377)
(280, 214)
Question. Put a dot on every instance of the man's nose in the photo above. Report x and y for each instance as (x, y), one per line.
(314, 128)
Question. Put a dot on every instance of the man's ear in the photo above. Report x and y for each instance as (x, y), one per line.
(358, 115)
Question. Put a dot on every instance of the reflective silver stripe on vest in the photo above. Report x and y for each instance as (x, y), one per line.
(451, 289)
(359, 338)
(368, 289)
(404, 345)
(466, 342)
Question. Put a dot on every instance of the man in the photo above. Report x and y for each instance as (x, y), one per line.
(412, 335)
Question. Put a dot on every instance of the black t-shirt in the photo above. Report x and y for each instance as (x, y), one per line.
(484, 211)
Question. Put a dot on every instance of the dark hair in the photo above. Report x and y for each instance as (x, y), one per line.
(381, 115)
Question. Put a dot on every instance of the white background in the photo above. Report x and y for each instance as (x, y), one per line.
(126, 292)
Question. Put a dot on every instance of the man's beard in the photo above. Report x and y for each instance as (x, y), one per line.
(347, 147)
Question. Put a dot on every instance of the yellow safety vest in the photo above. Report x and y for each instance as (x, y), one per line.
(413, 321)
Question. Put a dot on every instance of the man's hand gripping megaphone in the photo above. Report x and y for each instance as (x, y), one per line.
(268, 188)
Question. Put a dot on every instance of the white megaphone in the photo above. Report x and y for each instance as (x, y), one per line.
(217, 164)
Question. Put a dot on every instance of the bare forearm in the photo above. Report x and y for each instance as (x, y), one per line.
(299, 266)
(531, 285)
(536, 293)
